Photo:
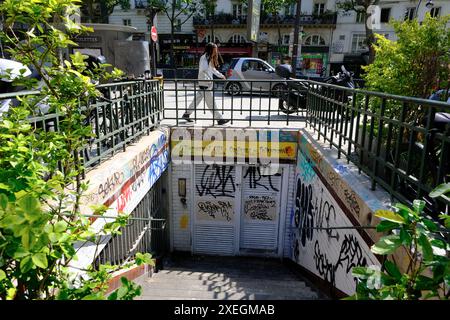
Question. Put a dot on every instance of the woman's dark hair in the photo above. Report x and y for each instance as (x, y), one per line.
(209, 51)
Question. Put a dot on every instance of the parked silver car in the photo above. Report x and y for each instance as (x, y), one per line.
(252, 69)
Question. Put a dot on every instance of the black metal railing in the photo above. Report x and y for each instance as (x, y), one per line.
(144, 233)
(394, 140)
(305, 19)
(401, 143)
(397, 141)
(124, 112)
(244, 103)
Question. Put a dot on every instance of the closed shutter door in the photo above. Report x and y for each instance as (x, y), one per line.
(261, 209)
(214, 209)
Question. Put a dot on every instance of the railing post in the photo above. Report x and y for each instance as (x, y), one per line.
(379, 140)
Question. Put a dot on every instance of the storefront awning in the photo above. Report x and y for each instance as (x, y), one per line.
(224, 50)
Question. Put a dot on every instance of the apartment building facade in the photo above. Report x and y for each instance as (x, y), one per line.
(349, 38)
(329, 37)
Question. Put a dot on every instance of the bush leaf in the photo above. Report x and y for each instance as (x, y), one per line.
(387, 245)
(40, 259)
(441, 189)
(390, 216)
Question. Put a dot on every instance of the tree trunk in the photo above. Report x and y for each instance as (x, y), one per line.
(212, 29)
(279, 29)
(104, 13)
(172, 52)
(172, 37)
(370, 40)
(90, 9)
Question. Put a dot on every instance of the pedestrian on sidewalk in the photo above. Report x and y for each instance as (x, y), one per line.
(206, 70)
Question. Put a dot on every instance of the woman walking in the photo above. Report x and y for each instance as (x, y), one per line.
(207, 67)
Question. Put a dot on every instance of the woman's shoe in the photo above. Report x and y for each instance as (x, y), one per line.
(222, 121)
(186, 117)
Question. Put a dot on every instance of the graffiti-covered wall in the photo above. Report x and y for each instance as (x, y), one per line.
(121, 183)
(323, 199)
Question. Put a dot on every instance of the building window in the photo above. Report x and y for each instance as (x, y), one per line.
(360, 17)
(319, 8)
(239, 11)
(237, 38)
(314, 40)
(289, 10)
(140, 4)
(126, 22)
(342, 37)
(385, 15)
(409, 13)
(286, 39)
(359, 43)
(208, 39)
(435, 12)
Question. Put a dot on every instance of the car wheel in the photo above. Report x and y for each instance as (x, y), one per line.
(279, 90)
(233, 88)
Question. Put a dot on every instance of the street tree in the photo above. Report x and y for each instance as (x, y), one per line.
(362, 7)
(208, 9)
(178, 12)
(416, 63)
(98, 11)
(274, 7)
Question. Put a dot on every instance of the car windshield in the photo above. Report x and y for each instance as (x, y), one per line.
(233, 63)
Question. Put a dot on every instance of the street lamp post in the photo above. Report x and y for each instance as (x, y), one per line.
(429, 5)
(296, 36)
(151, 13)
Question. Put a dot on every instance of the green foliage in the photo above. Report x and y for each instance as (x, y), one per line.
(416, 63)
(174, 8)
(442, 190)
(274, 6)
(104, 9)
(40, 218)
(428, 272)
(355, 5)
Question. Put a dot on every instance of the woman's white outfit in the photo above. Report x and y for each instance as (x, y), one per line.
(205, 72)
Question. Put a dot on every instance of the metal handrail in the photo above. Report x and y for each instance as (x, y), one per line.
(125, 111)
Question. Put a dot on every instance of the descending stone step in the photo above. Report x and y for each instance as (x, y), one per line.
(275, 290)
(219, 276)
(267, 283)
(231, 295)
(225, 278)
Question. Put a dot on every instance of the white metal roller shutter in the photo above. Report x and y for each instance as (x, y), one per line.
(214, 209)
(260, 208)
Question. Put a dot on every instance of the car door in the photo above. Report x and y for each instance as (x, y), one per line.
(256, 70)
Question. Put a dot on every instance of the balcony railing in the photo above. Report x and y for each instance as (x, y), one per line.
(305, 19)
(140, 4)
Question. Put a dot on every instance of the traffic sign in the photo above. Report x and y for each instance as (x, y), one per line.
(154, 34)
